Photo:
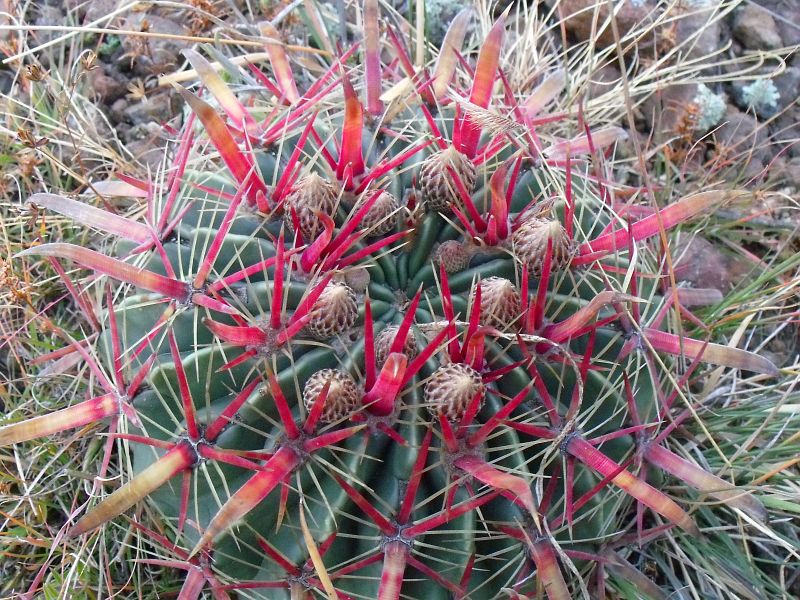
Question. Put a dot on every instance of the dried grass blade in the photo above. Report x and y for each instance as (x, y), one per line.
(280, 62)
(105, 221)
(100, 263)
(220, 90)
(316, 558)
(448, 57)
(715, 354)
(153, 477)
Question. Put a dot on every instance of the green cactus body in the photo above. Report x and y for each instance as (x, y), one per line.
(464, 504)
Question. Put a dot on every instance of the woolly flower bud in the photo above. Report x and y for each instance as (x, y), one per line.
(439, 189)
(342, 398)
(334, 312)
(383, 344)
(530, 244)
(453, 255)
(500, 304)
(357, 278)
(379, 218)
(451, 388)
(310, 195)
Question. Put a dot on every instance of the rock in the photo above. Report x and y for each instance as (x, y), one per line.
(740, 133)
(144, 131)
(92, 10)
(789, 26)
(698, 27)
(158, 108)
(603, 80)
(788, 85)
(6, 10)
(786, 130)
(667, 110)
(152, 56)
(741, 143)
(6, 82)
(149, 152)
(701, 264)
(788, 171)
(581, 17)
(785, 14)
(117, 110)
(48, 15)
(105, 86)
(755, 28)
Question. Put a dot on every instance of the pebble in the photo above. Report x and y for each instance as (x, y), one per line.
(788, 171)
(117, 110)
(105, 85)
(788, 85)
(698, 27)
(786, 130)
(743, 140)
(148, 151)
(786, 14)
(48, 15)
(152, 56)
(92, 10)
(579, 17)
(604, 80)
(158, 108)
(703, 265)
(755, 28)
(666, 109)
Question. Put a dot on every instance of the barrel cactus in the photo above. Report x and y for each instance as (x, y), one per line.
(370, 346)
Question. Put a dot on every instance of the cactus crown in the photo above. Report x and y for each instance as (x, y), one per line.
(387, 349)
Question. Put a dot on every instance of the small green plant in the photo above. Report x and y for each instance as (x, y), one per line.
(373, 345)
(711, 108)
(761, 95)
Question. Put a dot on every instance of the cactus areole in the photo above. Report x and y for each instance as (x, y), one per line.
(359, 357)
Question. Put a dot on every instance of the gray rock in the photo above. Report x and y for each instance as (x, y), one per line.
(789, 25)
(740, 129)
(786, 14)
(788, 171)
(6, 82)
(105, 85)
(788, 84)
(92, 10)
(786, 130)
(6, 10)
(698, 28)
(117, 110)
(666, 110)
(603, 80)
(48, 15)
(579, 17)
(702, 264)
(755, 28)
(158, 108)
(148, 151)
(742, 136)
(152, 56)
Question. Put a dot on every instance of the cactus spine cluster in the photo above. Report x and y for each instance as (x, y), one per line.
(366, 350)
